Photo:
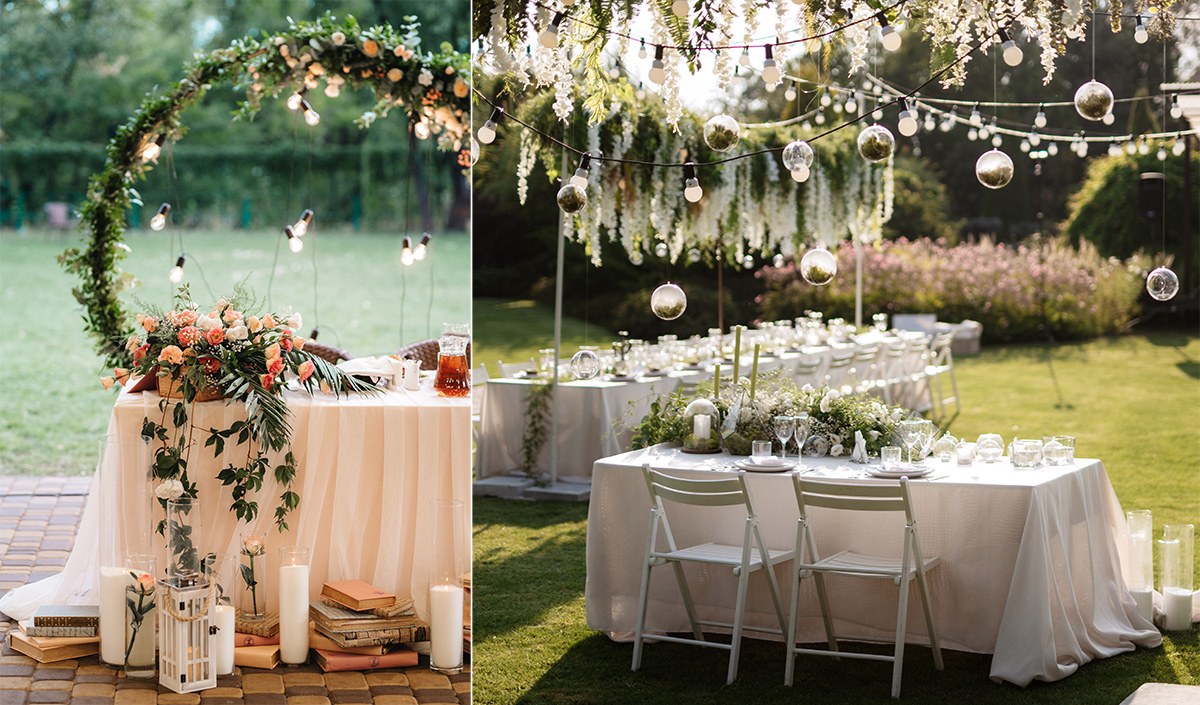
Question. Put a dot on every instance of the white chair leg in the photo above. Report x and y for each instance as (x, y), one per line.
(644, 595)
(738, 614)
(901, 617)
(688, 605)
(793, 612)
(824, 600)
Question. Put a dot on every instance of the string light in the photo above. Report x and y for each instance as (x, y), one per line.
(1011, 52)
(176, 274)
(1140, 35)
(422, 248)
(680, 8)
(852, 103)
(406, 254)
(152, 150)
(295, 244)
(310, 116)
(744, 59)
(790, 93)
(642, 50)
(487, 133)
(691, 187)
(1176, 108)
(1040, 120)
(580, 178)
(888, 36)
(294, 100)
(159, 221)
(1178, 147)
(657, 74)
(948, 123)
(549, 36)
(907, 124)
(976, 118)
(770, 73)
(301, 226)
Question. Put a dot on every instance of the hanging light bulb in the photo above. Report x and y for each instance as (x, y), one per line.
(1108, 119)
(790, 93)
(930, 122)
(1176, 109)
(744, 59)
(826, 99)
(176, 274)
(295, 244)
(770, 73)
(406, 253)
(1114, 149)
(293, 101)
(301, 226)
(1140, 35)
(888, 36)
(549, 36)
(421, 129)
(1130, 148)
(487, 133)
(1178, 147)
(640, 93)
(642, 50)
(948, 123)
(1011, 52)
(1025, 146)
(1162, 154)
(997, 140)
(152, 150)
(657, 74)
(159, 221)
(422, 248)
(680, 8)
(976, 118)
(691, 187)
(972, 134)
(310, 116)
(1143, 147)
(907, 124)
(1040, 120)
(1034, 138)
(580, 178)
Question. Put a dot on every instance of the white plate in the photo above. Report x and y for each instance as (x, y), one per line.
(656, 373)
(780, 465)
(897, 473)
(619, 378)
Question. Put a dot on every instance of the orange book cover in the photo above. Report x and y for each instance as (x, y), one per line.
(357, 595)
(400, 657)
(256, 656)
(240, 639)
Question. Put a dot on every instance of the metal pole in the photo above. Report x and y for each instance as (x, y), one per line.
(558, 295)
(858, 284)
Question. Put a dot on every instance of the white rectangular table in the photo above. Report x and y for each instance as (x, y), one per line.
(1030, 559)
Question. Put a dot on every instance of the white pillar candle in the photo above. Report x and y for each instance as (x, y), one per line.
(446, 625)
(701, 426)
(225, 629)
(1177, 603)
(293, 613)
(112, 614)
(1144, 597)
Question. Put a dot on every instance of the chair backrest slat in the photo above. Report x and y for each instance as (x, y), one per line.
(864, 504)
(870, 497)
(707, 499)
(711, 493)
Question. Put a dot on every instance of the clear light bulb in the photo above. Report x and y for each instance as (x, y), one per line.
(680, 8)
(1176, 108)
(1162, 154)
(976, 118)
(820, 119)
(890, 38)
(295, 244)
(1140, 35)
(930, 123)
(997, 141)
(406, 253)
(176, 275)
(158, 222)
(1143, 148)
(852, 106)
(1108, 118)
(801, 173)
(1178, 147)
(826, 100)
(422, 248)
(580, 178)
(790, 93)
(642, 50)
(421, 130)
(1024, 145)
(1034, 138)
(907, 125)
(640, 93)
(1114, 149)
(947, 124)
(1052, 148)
(1012, 53)
(1040, 120)
(657, 74)
(744, 59)
(487, 133)
(312, 117)
(770, 73)
(692, 191)
(1130, 148)
(301, 226)
(972, 134)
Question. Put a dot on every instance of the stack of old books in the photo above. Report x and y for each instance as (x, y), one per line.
(256, 642)
(356, 626)
(58, 633)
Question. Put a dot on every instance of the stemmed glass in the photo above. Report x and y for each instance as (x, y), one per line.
(928, 431)
(909, 433)
(800, 427)
(785, 426)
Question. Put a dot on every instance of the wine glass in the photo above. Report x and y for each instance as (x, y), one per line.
(909, 433)
(785, 426)
(928, 431)
(801, 428)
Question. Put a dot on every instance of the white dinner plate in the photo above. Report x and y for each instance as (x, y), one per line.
(778, 465)
(898, 472)
(619, 378)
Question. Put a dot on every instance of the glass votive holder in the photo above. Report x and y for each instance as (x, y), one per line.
(944, 448)
(890, 456)
(1027, 453)
(140, 593)
(1067, 442)
(1176, 557)
(989, 448)
(760, 449)
(964, 453)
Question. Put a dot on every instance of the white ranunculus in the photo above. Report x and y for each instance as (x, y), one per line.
(205, 323)
(237, 333)
(836, 449)
(294, 321)
(169, 489)
(425, 78)
(897, 415)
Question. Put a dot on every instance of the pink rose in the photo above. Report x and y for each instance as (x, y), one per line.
(275, 366)
(306, 369)
(272, 351)
(184, 318)
(215, 336)
(172, 355)
(189, 335)
(140, 353)
(266, 381)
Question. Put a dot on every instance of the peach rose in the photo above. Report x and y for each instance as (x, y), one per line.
(172, 355)
(253, 546)
(149, 323)
(268, 321)
(189, 335)
(107, 382)
(215, 336)
(286, 343)
(121, 374)
(325, 386)
(266, 381)
(460, 88)
(275, 366)
(272, 351)
(140, 353)
(299, 343)
(306, 370)
(132, 343)
(144, 583)
(253, 324)
(230, 316)
(183, 318)
(370, 47)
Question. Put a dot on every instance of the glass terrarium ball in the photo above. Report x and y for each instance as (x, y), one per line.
(1093, 100)
(585, 364)
(571, 198)
(1162, 284)
(701, 405)
(875, 143)
(660, 250)
(668, 302)
(722, 133)
(818, 266)
(635, 258)
(797, 154)
(694, 255)
(994, 169)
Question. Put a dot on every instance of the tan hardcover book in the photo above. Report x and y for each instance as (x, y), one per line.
(267, 627)
(317, 640)
(335, 661)
(256, 656)
(357, 595)
(341, 619)
(50, 649)
(403, 608)
(240, 640)
(374, 637)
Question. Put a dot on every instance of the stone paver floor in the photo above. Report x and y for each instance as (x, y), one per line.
(38, 520)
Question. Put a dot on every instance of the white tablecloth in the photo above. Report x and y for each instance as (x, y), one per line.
(367, 469)
(1030, 560)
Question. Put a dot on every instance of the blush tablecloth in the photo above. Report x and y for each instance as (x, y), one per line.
(368, 467)
(1030, 560)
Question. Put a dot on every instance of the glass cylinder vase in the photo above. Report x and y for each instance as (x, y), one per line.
(140, 617)
(252, 568)
(1176, 556)
(125, 526)
(221, 569)
(183, 538)
(446, 588)
(293, 604)
(1140, 574)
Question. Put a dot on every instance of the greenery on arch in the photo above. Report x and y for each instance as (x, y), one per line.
(429, 84)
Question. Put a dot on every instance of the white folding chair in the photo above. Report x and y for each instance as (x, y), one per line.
(838, 368)
(863, 371)
(508, 371)
(896, 383)
(750, 556)
(941, 363)
(871, 497)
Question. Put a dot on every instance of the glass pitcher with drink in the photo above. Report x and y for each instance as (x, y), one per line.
(453, 372)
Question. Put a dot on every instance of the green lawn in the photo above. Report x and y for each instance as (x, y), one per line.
(514, 331)
(52, 407)
(1133, 401)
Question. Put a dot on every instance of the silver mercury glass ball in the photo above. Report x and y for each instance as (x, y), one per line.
(694, 255)
(818, 266)
(796, 155)
(875, 143)
(585, 364)
(571, 198)
(668, 302)
(636, 258)
(722, 133)
(777, 261)
(1093, 100)
(660, 250)
(1162, 284)
(994, 169)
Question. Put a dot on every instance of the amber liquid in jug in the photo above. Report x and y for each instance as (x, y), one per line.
(453, 376)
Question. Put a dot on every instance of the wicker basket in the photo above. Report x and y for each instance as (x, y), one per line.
(169, 388)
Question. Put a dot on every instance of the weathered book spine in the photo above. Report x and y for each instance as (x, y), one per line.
(364, 638)
(43, 631)
(60, 621)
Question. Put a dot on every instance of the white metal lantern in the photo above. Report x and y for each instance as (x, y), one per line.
(187, 645)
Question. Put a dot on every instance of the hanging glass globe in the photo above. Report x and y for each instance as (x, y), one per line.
(585, 364)
(1093, 100)
(571, 198)
(798, 156)
(668, 302)
(748, 262)
(660, 250)
(818, 266)
(777, 261)
(722, 133)
(1162, 284)
(875, 143)
(994, 169)
(636, 258)
(694, 255)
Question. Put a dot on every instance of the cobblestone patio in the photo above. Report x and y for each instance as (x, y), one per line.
(38, 520)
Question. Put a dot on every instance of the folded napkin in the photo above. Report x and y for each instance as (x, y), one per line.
(767, 462)
(386, 367)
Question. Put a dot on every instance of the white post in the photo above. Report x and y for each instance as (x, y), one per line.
(558, 295)
(858, 283)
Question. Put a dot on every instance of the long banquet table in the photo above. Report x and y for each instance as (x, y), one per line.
(368, 467)
(1030, 559)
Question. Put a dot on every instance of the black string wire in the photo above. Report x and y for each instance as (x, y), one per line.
(291, 174)
(310, 230)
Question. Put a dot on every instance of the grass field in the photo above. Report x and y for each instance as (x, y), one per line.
(52, 407)
(1132, 401)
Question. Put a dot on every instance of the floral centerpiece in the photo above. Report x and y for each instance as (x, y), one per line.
(226, 352)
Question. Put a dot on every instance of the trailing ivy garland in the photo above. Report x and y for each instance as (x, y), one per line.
(536, 413)
(428, 85)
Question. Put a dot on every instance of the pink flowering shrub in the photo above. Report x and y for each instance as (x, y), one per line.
(1010, 290)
